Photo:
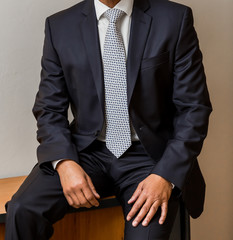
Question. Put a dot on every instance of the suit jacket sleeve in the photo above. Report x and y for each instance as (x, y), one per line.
(191, 100)
(50, 110)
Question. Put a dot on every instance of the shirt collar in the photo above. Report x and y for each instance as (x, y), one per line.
(124, 5)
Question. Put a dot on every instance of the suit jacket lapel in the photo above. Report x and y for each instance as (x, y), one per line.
(90, 35)
(140, 27)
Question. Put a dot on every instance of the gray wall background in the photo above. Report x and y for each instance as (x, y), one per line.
(21, 38)
(21, 41)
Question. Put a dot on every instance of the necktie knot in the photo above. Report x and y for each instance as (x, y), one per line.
(113, 14)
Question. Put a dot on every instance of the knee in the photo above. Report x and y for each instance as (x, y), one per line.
(14, 207)
(21, 213)
(18, 209)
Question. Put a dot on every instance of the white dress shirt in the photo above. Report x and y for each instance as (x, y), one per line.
(123, 24)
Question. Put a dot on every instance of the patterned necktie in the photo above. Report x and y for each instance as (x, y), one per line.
(118, 135)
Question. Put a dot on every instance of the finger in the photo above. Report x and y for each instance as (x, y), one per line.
(71, 197)
(69, 200)
(83, 201)
(136, 194)
(90, 197)
(136, 206)
(164, 209)
(73, 200)
(92, 187)
(142, 213)
(151, 213)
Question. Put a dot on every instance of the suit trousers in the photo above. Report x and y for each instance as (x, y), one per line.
(40, 201)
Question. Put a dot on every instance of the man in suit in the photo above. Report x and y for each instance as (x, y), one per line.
(132, 73)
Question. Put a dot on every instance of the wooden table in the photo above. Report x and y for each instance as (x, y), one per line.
(8, 186)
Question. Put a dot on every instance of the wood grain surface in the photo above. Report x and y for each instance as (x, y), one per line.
(2, 231)
(8, 186)
(99, 224)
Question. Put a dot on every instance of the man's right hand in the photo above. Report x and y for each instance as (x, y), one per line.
(77, 185)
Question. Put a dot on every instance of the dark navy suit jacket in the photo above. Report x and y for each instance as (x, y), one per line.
(167, 95)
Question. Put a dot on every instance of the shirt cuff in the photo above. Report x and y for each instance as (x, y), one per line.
(54, 163)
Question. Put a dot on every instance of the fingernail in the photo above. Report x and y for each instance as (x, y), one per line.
(128, 218)
(145, 223)
(135, 224)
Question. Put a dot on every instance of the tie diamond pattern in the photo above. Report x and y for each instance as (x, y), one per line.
(118, 135)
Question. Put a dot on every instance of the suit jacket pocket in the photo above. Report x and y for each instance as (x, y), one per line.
(154, 61)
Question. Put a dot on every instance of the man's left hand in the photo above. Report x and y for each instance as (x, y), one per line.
(152, 193)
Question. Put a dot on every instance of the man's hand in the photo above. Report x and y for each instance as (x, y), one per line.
(77, 185)
(152, 192)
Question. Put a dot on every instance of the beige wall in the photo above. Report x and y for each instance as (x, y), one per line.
(22, 23)
(21, 39)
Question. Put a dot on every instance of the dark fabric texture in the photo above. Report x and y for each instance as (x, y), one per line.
(40, 201)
